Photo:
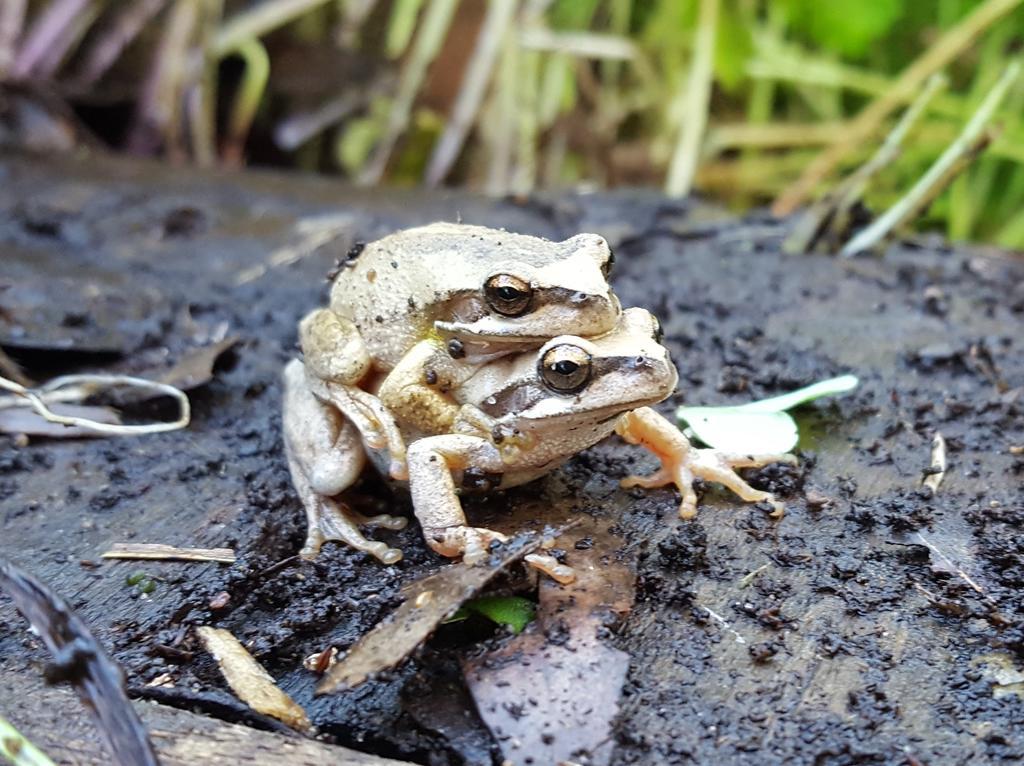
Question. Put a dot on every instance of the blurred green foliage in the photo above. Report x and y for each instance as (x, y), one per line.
(589, 93)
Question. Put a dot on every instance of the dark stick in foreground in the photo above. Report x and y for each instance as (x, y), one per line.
(79, 659)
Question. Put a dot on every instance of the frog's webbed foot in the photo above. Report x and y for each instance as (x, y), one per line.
(681, 462)
(472, 543)
(325, 457)
(431, 462)
(332, 520)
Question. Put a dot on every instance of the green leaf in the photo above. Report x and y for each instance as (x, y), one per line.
(758, 427)
(845, 29)
(514, 611)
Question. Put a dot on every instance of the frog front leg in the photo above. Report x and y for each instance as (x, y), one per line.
(681, 462)
(417, 389)
(313, 430)
(432, 461)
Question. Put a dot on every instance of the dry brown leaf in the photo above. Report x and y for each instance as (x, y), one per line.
(574, 683)
(160, 552)
(398, 634)
(249, 681)
(196, 368)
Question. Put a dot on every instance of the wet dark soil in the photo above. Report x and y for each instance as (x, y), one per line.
(876, 623)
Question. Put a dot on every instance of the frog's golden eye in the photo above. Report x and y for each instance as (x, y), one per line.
(508, 295)
(565, 368)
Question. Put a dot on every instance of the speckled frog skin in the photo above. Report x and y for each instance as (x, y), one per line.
(497, 356)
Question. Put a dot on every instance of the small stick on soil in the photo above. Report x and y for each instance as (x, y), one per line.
(250, 681)
(944, 50)
(751, 576)
(954, 566)
(968, 144)
(158, 552)
(937, 471)
(724, 623)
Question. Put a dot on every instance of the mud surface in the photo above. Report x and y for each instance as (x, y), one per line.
(875, 623)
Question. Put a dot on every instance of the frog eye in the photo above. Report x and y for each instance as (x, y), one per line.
(565, 368)
(508, 295)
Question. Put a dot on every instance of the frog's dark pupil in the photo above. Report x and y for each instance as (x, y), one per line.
(566, 367)
(508, 293)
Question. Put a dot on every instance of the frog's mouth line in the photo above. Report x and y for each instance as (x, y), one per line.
(465, 332)
(598, 415)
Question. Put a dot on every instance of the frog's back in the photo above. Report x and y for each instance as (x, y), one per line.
(395, 288)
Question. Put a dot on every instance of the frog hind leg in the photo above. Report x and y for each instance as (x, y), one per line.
(316, 437)
(681, 462)
(336, 360)
(434, 498)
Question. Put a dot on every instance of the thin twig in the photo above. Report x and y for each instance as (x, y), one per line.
(160, 552)
(954, 566)
(88, 385)
(256, 22)
(432, 32)
(247, 99)
(942, 171)
(696, 98)
(832, 213)
(937, 470)
(477, 74)
(12, 20)
(499, 125)
(45, 32)
(159, 107)
(591, 45)
(943, 51)
(201, 98)
(109, 46)
(66, 43)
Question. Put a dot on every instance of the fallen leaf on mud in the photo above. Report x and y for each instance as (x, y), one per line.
(247, 678)
(552, 692)
(196, 368)
(22, 420)
(1006, 678)
(161, 552)
(398, 634)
